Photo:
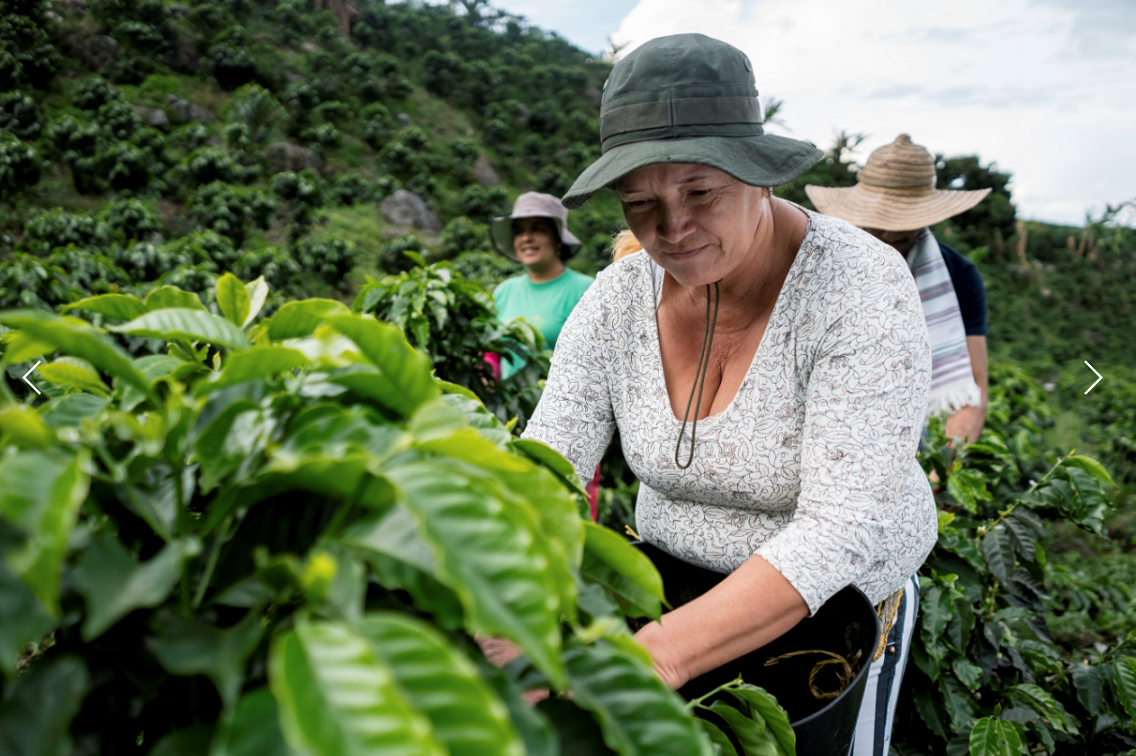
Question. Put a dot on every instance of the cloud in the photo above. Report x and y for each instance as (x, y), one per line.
(1007, 81)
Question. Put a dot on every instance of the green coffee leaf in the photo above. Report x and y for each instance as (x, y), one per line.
(117, 306)
(993, 737)
(258, 293)
(552, 459)
(638, 714)
(35, 716)
(1091, 466)
(623, 571)
(171, 297)
(183, 324)
(337, 698)
(254, 364)
(23, 619)
(998, 548)
(21, 427)
(255, 730)
(1124, 680)
(467, 716)
(298, 319)
(78, 341)
(187, 646)
(1089, 687)
(233, 299)
(69, 411)
(41, 495)
(407, 372)
(487, 557)
(76, 373)
(114, 584)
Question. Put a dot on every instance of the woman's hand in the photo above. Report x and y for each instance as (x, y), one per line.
(500, 652)
(654, 638)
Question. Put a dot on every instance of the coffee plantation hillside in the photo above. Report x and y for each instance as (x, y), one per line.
(282, 534)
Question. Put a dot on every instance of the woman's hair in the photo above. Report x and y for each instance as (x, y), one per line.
(623, 244)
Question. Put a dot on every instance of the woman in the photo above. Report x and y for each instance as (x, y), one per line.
(767, 369)
(536, 235)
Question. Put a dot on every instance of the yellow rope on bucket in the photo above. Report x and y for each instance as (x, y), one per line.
(844, 675)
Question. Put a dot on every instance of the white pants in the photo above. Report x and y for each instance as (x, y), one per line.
(877, 711)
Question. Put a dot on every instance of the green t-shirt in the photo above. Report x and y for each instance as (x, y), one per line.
(546, 305)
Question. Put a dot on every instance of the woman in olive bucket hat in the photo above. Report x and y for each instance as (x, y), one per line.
(767, 369)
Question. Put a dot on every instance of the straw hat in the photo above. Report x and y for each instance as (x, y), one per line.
(688, 98)
(533, 205)
(895, 191)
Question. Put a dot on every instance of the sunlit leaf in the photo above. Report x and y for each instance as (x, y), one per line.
(639, 715)
(626, 573)
(74, 372)
(20, 426)
(253, 364)
(442, 683)
(258, 293)
(337, 698)
(407, 371)
(182, 324)
(167, 297)
(1091, 466)
(117, 306)
(295, 320)
(233, 299)
(41, 494)
(78, 341)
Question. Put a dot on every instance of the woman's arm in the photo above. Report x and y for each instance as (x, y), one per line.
(574, 415)
(751, 607)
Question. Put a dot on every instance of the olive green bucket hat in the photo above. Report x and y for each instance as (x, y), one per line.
(688, 98)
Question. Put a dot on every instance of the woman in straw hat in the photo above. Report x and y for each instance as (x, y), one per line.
(895, 200)
(767, 369)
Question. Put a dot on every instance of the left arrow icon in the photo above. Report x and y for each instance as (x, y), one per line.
(29, 373)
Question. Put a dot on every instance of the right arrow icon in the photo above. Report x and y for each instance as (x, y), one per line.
(1098, 380)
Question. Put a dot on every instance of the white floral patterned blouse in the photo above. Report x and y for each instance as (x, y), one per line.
(812, 465)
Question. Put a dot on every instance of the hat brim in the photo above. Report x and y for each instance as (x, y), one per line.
(892, 209)
(501, 234)
(762, 160)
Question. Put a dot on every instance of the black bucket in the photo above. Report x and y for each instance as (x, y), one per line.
(845, 625)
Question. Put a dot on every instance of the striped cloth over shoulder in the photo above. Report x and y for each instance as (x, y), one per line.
(952, 380)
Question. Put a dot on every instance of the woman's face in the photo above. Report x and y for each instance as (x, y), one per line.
(534, 241)
(698, 223)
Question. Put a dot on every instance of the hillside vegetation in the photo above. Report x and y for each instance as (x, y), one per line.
(238, 473)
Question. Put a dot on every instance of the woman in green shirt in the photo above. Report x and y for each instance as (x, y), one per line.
(536, 235)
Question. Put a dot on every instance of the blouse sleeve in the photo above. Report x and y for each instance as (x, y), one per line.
(574, 415)
(866, 397)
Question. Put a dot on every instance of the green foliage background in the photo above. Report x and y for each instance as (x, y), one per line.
(147, 149)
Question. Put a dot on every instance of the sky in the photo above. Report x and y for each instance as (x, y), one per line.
(1045, 89)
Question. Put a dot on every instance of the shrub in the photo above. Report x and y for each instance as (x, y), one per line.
(127, 168)
(221, 208)
(254, 106)
(486, 269)
(463, 235)
(202, 247)
(192, 136)
(333, 112)
(330, 259)
(483, 203)
(351, 189)
(277, 266)
(282, 548)
(118, 119)
(95, 92)
(57, 228)
(324, 136)
(232, 65)
(144, 261)
(302, 194)
(19, 116)
(132, 218)
(20, 166)
(454, 321)
(152, 142)
(206, 165)
(552, 180)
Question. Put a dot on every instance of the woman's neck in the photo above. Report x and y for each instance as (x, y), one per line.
(546, 272)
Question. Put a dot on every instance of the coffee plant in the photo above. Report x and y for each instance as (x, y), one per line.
(283, 535)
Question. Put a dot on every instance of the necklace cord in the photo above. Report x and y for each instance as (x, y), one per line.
(699, 376)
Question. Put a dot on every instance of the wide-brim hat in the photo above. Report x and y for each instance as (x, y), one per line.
(895, 191)
(688, 98)
(533, 205)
